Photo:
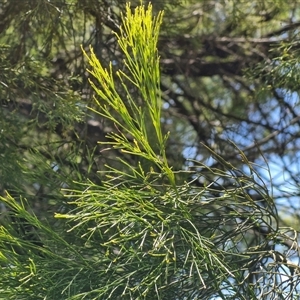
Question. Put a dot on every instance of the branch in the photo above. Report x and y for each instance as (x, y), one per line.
(92, 129)
(270, 136)
(197, 67)
(283, 29)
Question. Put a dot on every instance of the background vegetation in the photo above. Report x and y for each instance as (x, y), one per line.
(184, 186)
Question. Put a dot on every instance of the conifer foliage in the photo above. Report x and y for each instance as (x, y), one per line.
(141, 228)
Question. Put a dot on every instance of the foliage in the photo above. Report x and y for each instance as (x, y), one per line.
(141, 228)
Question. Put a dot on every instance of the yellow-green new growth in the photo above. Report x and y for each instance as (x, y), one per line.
(137, 39)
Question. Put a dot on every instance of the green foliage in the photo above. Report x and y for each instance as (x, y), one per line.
(141, 230)
(141, 121)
